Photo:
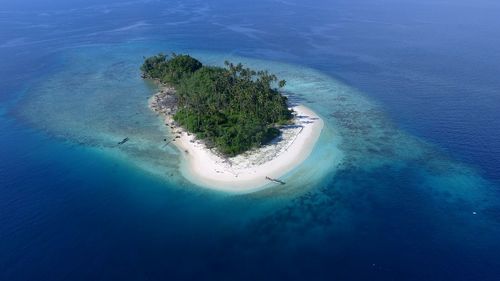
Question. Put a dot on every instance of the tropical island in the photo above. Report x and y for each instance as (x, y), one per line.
(234, 126)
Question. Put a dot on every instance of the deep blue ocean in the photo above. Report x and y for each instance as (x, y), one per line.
(404, 183)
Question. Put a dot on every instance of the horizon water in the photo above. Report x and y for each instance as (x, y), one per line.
(403, 183)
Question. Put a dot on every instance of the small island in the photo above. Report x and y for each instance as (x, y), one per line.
(235, 128)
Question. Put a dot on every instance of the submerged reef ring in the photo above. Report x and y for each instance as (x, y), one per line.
(97, 99)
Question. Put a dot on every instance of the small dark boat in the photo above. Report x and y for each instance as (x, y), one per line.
(123, 141)
(275, 180)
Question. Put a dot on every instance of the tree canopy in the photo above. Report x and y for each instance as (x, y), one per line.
(233, 108)
(170, 70)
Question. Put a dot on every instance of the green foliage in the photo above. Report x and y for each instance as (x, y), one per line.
(232, 108)
(170, 70)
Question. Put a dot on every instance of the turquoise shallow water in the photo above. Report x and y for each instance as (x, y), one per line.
(401, 185)
(97, 98)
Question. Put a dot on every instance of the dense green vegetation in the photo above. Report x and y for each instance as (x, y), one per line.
(232, 108)
(170, 70)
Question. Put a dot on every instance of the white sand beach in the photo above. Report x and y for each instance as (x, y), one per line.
(246, 172)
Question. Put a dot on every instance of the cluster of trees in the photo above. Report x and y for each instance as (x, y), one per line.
(232, 108)
(171, 70)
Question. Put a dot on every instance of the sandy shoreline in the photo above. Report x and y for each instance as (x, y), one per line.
(246, 172)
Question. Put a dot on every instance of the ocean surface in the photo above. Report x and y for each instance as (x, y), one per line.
(404, 183)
